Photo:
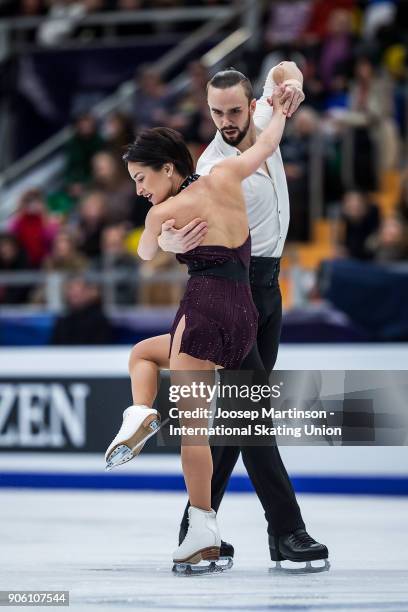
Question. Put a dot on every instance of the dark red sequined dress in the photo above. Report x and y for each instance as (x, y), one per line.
(221, 319)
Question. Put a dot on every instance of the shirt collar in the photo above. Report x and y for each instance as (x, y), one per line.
(229, 151)
(225, 148)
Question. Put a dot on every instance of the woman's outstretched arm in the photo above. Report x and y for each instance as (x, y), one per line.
(266, 144)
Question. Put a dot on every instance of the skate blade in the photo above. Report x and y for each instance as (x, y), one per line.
(308, 568)
(122, 453)
(204, 567)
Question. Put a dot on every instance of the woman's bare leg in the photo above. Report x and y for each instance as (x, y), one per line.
(140, 421)
(196, 457)
(146, 359)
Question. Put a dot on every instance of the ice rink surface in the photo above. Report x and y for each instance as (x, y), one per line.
(112, 551)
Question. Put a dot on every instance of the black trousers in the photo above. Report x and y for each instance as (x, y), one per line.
(263, 463)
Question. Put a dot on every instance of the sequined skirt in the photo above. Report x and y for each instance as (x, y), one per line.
(221, 320)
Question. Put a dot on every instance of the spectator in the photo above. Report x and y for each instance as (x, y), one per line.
(287, 21)
(337, 47)
(331, 130)
(109, 177)
(90, 223)
(376, 134)
(64, 255)
(395, 62)
(84, 321)
(312, 84)
(296, 148)
(62, 18)
(361, 220)
(192, 117)
(152, 102)
(12, 259)
(31, 8)
(115, 258)
(328, 52)
(320, 19)
(390, 244)
(118, 132)
(378, 13)
(33, 228)
(79, 153)
(140, 208)
(160, 293)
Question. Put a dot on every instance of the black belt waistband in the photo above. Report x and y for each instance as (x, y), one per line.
(231, 270)
(264, 271)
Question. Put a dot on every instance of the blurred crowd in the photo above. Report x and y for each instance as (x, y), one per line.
(354, 60)
(72, 9)
(92, 223)
(30, 8)
(61, 19)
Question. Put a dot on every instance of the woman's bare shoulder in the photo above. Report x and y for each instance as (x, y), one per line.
(223, 180)
(223, 173)
(182, 207)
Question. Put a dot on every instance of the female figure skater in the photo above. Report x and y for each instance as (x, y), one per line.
(216, 323)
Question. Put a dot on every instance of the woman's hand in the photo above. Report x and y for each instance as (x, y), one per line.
(276, 100)
(184, 239)
(292, 96)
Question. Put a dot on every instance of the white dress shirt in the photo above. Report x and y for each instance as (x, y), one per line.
(266, 197)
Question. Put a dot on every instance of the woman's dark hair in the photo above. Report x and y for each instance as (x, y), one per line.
(158, 146)
(229, 78)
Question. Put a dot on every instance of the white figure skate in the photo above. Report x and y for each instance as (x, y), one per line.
(200, 549)
(139, 424)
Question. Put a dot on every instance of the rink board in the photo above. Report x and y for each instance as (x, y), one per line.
(332, 470)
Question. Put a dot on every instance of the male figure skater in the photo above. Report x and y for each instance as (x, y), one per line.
(238, 118)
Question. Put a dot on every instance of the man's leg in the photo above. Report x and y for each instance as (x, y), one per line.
(288, 538)
(273, 488)
(263, 463)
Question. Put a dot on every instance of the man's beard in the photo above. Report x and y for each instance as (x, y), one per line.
(236, 140)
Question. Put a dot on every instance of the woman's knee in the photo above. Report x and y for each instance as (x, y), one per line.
(139, 351)
(156, 350)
